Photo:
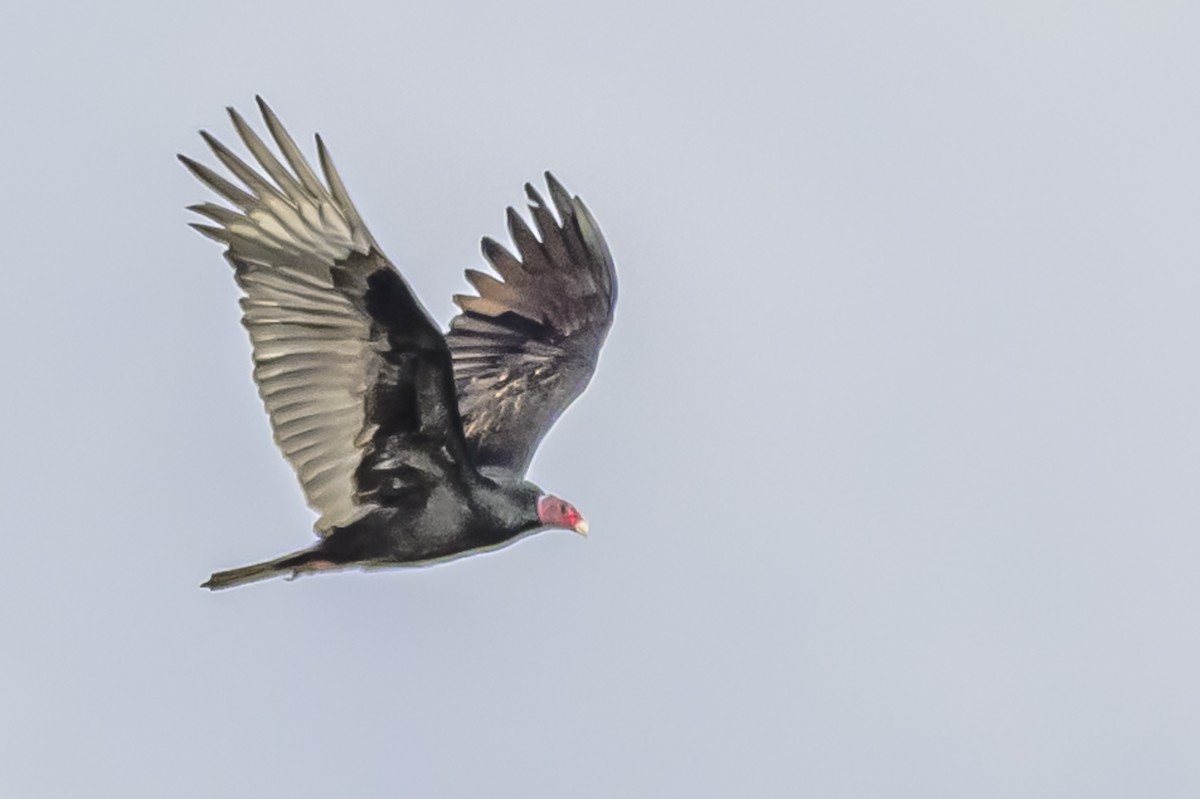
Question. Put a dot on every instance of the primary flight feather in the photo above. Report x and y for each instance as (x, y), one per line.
(411, 445)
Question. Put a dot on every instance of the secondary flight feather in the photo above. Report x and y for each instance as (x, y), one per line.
(411, 445)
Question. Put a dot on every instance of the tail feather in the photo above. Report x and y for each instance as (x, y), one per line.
(256, 571)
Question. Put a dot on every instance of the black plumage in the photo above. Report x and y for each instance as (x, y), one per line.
(410, 444)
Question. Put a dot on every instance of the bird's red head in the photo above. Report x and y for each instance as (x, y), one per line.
(555, 512)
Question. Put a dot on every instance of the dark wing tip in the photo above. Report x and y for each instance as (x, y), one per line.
(324, 159)
(267, 114)
(535, 197)
(560, 197)
(239, 121)
(217, 234)
(555, 186)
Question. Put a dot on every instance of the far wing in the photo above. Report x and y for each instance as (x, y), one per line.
(527, 345)
(356, 379)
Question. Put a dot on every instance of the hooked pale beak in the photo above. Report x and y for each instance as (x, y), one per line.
(581, 527)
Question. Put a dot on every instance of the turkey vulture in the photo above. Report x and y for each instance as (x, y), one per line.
(411, 444)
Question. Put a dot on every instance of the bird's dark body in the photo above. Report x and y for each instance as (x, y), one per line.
(448, 525)
(411, 443)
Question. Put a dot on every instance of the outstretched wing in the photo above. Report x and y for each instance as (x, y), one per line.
(356, 379)
(527, 346)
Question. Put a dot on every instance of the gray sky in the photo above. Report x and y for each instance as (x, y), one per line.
(890, 462)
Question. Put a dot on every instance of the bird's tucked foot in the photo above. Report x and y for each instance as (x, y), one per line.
(312, 567)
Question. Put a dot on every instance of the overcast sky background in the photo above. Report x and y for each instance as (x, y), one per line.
(891, 461)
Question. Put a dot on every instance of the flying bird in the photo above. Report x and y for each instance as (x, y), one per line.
(411, 445)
